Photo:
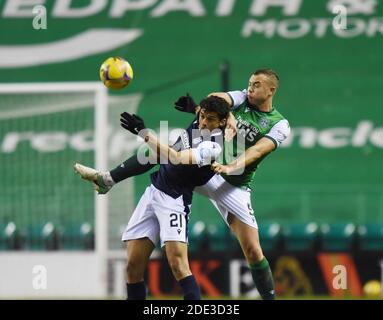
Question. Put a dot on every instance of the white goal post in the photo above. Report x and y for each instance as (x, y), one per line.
(34, 118)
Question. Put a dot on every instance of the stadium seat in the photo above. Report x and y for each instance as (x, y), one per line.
(8, 236)
(300, 236)
(219, 237)
(338, 237)
(40, 237)
(370, 237)
(269, 236)
(78, 236)
(197, 236)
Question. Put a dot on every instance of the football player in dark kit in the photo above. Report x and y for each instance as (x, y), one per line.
(163, 210)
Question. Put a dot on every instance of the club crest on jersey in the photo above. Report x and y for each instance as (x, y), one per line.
(263, 122)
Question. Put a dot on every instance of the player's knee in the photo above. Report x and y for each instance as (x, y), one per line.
(253, 252)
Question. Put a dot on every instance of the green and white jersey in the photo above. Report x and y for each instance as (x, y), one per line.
(252, 125)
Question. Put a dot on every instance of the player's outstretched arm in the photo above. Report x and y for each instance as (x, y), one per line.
(186, 104)
(164, 152)
(167, 153)
(204, 154)
(135, 125)
(223, 95)
(252, 154)
(133, 167)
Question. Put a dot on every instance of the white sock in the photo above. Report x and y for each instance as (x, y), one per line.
(107, 178)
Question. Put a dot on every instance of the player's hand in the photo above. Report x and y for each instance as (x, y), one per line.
(231, 127)
(133, 123)
(186, 104)
(219, 168)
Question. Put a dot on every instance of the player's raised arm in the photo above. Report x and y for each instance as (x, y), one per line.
(186, 104)
(204, 154)
(224, 96)
(233, 98)
(278, 133)
(252, 154)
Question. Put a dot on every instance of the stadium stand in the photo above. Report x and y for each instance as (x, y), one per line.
(370, 237)
(338, 236)
(78, 236)
(219, 237)
(9, 236)
(270, 236)
(213, 237)
(42, 236)
(198, 239)
(300, 236)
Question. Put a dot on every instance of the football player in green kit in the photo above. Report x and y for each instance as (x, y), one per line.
(262, 129)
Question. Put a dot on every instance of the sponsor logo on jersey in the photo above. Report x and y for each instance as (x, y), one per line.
(263, 122)
(247, 130)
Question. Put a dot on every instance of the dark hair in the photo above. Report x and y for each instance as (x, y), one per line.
(216, 104)
(270, 73)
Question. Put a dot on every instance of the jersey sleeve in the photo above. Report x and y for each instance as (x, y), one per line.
(206, 152)
(279, 132)
(237, 97)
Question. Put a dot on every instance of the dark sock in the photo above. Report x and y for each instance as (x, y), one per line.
(263, 279)
(190, 288)
(130, 168)
(136, 291)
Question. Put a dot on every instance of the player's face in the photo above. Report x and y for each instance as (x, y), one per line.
(260, 89)
(209, 120)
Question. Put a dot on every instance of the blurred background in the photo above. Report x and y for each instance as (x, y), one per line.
(318, 200)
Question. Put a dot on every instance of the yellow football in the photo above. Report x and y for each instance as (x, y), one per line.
(116, 73)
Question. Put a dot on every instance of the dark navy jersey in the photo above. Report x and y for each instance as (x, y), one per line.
(181, 179)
